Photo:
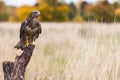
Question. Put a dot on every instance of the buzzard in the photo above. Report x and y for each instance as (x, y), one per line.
(29, 31)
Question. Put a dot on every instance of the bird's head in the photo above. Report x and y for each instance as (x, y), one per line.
(34, 14)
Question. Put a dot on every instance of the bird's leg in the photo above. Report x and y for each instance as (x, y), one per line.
(26, 43)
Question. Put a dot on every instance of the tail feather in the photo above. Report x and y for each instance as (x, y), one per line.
(19, 45)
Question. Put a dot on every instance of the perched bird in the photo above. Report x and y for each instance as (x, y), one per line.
(29, 31)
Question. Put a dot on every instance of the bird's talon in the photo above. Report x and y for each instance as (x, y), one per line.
(27, 44)
(33, 42)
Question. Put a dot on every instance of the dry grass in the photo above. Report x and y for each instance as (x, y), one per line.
(68, 51)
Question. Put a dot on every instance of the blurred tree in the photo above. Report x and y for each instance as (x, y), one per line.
(116, 5)
(104, 2)
(117, 15)
(88, 12)
(3, 16)
(61, 12)
(117, 11)
(46, 12)
(2, 7)
(104, 12)
(3, 12)
(72, 11)
(57, 10)
(82, 8)
(50, 2)
(52, 10)
(101, 12)
(22, 12)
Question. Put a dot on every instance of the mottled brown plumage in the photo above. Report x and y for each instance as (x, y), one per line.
(29, 31)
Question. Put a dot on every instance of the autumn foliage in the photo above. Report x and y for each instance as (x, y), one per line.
(48, 12)
(54, 10)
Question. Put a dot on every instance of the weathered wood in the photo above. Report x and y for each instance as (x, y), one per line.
(7, 69)
(16, 70)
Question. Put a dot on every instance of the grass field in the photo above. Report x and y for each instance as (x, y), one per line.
(67, 51)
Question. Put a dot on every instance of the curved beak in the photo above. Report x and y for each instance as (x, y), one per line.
(38, 13)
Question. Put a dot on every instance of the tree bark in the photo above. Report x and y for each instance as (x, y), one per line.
(16, 70)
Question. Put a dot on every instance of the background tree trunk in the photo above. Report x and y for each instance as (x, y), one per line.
(16, 70)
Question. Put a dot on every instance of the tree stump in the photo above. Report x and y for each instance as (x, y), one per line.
(16, 70)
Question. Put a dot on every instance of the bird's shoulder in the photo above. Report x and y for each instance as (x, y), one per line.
(24, 22)
(23, 25)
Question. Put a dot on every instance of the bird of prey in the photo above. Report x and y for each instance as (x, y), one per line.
(29, 31)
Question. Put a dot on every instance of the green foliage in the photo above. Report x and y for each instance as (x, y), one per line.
(3, 16)
(82, 7)
(3, 12)
(72, 11)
